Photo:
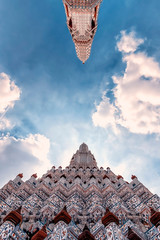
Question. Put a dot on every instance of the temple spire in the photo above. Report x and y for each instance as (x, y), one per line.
(82, 18)
(83, 158)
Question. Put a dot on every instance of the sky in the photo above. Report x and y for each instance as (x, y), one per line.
(50, 102)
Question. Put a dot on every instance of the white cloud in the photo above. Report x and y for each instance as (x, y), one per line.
(4, 123)
(128, 42)
(9, 93)
(104, 116)
(28, 155)
(137, 98)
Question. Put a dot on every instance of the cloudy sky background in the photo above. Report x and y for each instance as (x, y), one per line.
(50, 103)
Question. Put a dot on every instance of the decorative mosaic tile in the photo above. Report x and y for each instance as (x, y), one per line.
(5, 230)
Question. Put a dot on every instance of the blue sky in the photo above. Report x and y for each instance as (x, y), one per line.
(50, 103)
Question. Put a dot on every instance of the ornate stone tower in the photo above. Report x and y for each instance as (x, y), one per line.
(80, 202)
(82, 18)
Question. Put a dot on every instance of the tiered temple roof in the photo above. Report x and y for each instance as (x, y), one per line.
(81, 201)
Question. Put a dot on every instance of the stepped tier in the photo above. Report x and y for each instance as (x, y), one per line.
(81, 201)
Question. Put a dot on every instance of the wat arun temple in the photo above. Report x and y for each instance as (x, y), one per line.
(82, 16)
(79, 202)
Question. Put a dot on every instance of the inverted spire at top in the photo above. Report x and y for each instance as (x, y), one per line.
(82, 18)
